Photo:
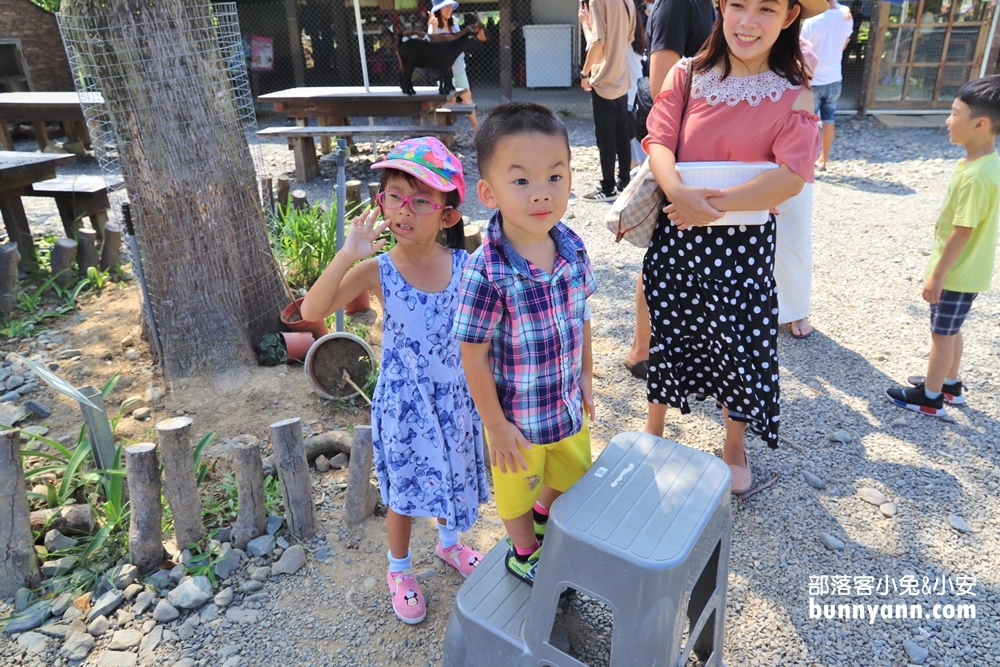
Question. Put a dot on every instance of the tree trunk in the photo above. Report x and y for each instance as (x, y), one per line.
(361, 495)
(145, 534)
(190, 176)
(18, 563)
(252, 518)
(293, 473)
(179, 484)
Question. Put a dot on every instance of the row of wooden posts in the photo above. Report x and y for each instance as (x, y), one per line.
(280, 196)
(18, 563)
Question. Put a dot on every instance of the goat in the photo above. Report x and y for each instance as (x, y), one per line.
(438, 51)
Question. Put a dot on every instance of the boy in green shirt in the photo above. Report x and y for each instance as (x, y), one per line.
(965, 241)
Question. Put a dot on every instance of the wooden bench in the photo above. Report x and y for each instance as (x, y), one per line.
(446, 114)
(78, 197)
(300, 140)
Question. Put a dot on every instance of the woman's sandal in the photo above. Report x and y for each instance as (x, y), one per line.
(639, 369)
(796, 331)
(742, 477)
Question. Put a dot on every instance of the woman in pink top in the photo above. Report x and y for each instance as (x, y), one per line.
(710, 290)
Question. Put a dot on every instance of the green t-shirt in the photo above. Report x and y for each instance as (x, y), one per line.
(973, 200)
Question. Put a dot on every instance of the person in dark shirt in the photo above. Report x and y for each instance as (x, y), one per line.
(675, 29)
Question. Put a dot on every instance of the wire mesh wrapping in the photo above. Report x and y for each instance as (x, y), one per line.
(167, 101)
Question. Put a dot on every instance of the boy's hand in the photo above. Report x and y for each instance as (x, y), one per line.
(587, 389)
(506, 442)
(363, 236)
(932, 289)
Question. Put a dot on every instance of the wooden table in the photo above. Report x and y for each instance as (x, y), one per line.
(37, 108)
(18, 170)
(340, 102)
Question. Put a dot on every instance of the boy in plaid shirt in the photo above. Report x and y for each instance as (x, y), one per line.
(525, 326)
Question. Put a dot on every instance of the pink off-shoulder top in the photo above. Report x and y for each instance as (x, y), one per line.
(746, 119)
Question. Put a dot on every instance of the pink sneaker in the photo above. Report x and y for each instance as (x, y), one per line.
(407, 598)
(462, 557)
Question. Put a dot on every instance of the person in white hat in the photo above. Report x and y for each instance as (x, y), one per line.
(442, 19)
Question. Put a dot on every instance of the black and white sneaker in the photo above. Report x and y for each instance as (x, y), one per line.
(914, 398)
(952, 391)
(598, 194)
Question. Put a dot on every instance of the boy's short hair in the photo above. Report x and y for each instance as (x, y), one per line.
(982, 96)
(512, 119)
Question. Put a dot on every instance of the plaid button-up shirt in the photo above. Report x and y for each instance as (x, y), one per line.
(533, 321)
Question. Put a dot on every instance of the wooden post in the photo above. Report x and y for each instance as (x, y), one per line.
(372, 191)
(18, 563)
(361, 495)
(252, 517)
(112, 246)
(145, 534)
(293, 473)
(41, 134)
(283, 186)
(353, 195)
(86, 251)
(61, 260)
(473, 238)
(9, 258)
(179, 484)
(299, 200)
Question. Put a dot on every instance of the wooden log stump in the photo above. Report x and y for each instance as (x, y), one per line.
(18, 562)
(112, 246)
(372, 191)
(68, 520)
(473, 238)
(353, 195)
(293, 473)
(331, 442)
(251, 521)
(284, 185)
(145, 534)
(9, 258)
(361, 495)
(299, 200)
(179, 483)
(61, 259)
(86, 251)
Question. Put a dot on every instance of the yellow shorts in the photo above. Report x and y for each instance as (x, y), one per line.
(558, 466)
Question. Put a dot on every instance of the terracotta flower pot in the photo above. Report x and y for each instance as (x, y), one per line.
(333, 354)
(291, 318)
(359, 304)
(297, 344)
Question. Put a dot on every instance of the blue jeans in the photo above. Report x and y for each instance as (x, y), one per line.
(826, 100)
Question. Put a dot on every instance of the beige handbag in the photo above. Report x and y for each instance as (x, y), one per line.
(634, 214)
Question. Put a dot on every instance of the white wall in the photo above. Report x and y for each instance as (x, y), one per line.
(554, 11)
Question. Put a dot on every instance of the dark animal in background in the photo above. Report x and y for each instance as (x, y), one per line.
(438, 51)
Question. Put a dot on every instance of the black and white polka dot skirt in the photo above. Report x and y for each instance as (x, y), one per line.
(714, 315)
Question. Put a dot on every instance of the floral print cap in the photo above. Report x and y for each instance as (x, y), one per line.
(427, 159)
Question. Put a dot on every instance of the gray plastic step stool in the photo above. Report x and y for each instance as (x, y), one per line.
(646, 531)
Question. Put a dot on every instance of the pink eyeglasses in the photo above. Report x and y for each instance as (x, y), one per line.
(392, 200)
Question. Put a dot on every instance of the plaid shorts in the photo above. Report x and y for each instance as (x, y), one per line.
(949, 313)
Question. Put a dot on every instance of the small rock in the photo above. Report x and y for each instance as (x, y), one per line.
(339, 461)
(59, 566)
(232, 662)
(127, 342)
(53, 629)
(148, 626)
(30, 618)
(153, 395)
(282, 544)
(185, 662)
(224, 534)
(323, 554)
(131, 354)
(32, 643)
(915, 651)
(259, 546)
(142, 602)
(322, 463)
(13, 382)
(228, 563)
(22, 596)
(840, 436)
(125, 639)
(141, 414)
(224, 598)
(209, 613)
(72, 613)
(132, 403)
(150, 641)
(831, 542)
(37, 409)
(241, 615)
(871, 496)
(123, 617)
(56, 541)
(813, 480)
(165, 612)
(84, 371)
(251, 586)
(177, 573)
(118, 659)
(99, 626)
(228, 650)
(192, 593)
(78, 646)
(291, 561)
(186, 631)
(68, 354)
(261, 574)
(76, 627)
(273, 524)
(131, 591)
(123, 575)
(106, 604)
(61, 604)
(10, 397)
(899, 421)
(959, 524)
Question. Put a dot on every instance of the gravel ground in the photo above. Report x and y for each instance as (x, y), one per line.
(874, 215)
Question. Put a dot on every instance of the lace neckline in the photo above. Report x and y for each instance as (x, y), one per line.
(732, 90)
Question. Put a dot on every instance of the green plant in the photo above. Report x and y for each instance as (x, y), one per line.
(306, 239)
(201, 467)
(96, 278)
(271, 351)
(204, 556)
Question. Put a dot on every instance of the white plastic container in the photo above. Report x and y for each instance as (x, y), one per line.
(724, 175)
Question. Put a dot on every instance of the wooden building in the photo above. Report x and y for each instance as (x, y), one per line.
(31, 50)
